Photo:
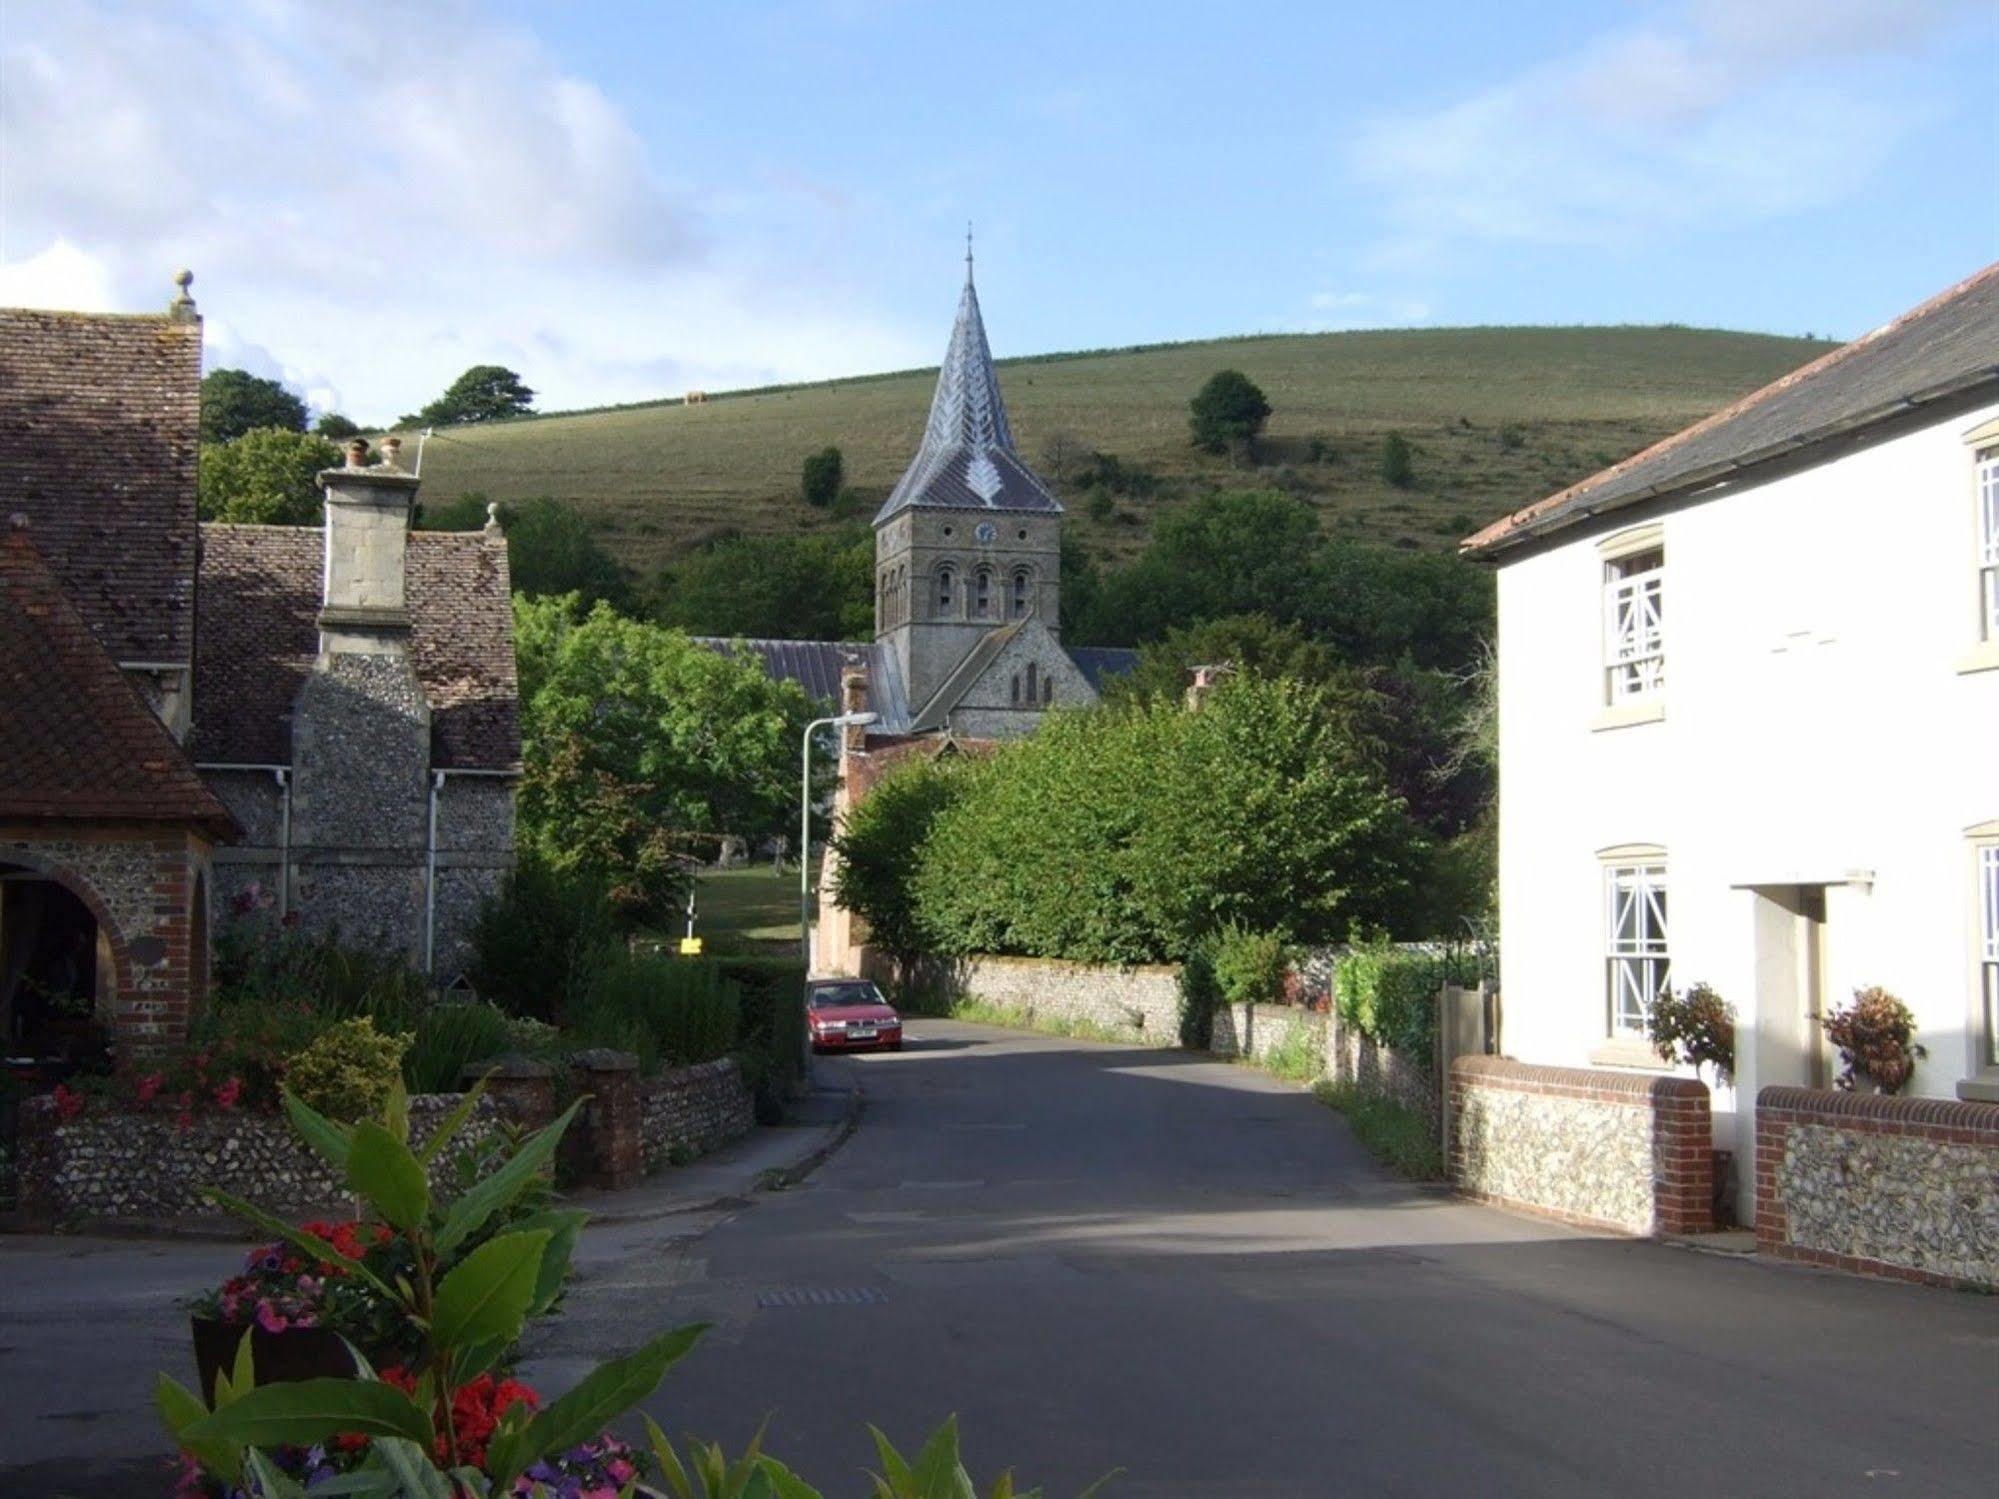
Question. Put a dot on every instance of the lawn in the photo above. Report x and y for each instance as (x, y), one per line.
(1497, 417)
(744, 912)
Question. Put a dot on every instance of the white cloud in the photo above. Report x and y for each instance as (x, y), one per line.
(1359, 309)
(1738, 109)
(372, 206)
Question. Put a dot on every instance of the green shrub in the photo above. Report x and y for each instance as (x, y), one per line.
(1390, 996)
(1397, 464)
(1198, 996)
(770, 1036)
(449, 1038)
(820, 476)
(349, 1071)
(1300, 1056)
(260, 962)
(543, 943)
(1249, 966)
(1695, 1027)
(670, 1012)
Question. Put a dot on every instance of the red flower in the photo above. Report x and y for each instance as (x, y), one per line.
(68, 1104)
(143, 1089)
(475, 1413)
(229, 1092)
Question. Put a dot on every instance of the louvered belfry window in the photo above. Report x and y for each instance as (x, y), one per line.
(1634, 635)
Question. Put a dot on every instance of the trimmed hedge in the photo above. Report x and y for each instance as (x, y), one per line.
(1389, 994)
(770, 1033)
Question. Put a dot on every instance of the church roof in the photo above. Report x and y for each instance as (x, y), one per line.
(967, 460)
(76, 739)
(816, 665)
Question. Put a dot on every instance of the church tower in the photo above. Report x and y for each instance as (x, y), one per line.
(968, 545)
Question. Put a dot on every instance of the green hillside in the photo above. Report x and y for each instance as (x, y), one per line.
(1497, 417)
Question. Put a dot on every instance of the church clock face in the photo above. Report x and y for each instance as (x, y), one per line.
(987, 532)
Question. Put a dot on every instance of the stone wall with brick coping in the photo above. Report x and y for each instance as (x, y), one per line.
(1595, 1148)
(1384, 1072)
(1903, 1187)
(1255, 1031)
(694, 1110)
(1140, 1005)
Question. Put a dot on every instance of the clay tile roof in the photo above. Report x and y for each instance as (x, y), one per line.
(1946, 348)
(259, 607)
(76, 739)
(99, 431)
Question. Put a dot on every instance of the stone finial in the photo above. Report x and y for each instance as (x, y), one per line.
(357, 452)
(392, 447)
(182, 307)
(493, 527)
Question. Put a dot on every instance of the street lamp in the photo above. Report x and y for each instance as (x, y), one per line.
(844, 721)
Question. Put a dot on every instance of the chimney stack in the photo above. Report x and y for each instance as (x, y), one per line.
(362, 609)
(854, 699)
(1204, 680)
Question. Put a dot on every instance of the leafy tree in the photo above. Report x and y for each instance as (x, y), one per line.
(878, 847)
(1382, 604)
(541, 946)
(1252, 643)
(820, 476)
(1227, 412)
(639, 747)
(484, 393)
(815, 587)
(265, 477)
(550, 549)
(1397, 465)
(235, 401)
(333, 425)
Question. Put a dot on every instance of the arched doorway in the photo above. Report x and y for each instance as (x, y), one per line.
(58, 976)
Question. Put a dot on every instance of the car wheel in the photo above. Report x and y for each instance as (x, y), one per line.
(895, 1046)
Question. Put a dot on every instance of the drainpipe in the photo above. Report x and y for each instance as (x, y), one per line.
(282, 775)
(430, 880)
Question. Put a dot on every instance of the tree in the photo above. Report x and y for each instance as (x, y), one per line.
(820, 476)
(878, 846)
(639, 747)
(817, 587)
(265, 477)
(550, 549)
(235, 401)
(484, 393)
(332, 424)
(1227, 412)
(1252, 643)
(1397, 466)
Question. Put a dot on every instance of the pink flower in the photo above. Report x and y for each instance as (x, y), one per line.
(147, 1086)
(229, 1092)
(269, 1318)
(620, 1470)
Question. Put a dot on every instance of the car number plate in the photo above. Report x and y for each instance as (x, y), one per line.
(861, 1032)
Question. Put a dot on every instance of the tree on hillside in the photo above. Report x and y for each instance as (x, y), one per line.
(634, 741)
(1397, 463)
(1227, 412)
(820, 476)
(550, 548)
(268, 477)
(333, 425)
(484, 393)
(235, 401)
(814, 587)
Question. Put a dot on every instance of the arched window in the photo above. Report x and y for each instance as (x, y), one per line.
(947, 591)
(982, 592)
(1047, 691)
(1020, 588)
(1016, 689)
(1030, 681)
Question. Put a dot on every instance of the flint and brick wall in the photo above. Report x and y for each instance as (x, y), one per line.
(1383, 1072)
(1140, 1005)
(693, 1110)
(1595, 1148)
(1902, 1187)
(1255, 1031)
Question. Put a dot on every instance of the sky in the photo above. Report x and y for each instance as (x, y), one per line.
(625, 201)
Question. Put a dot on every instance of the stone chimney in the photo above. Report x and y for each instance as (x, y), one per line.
(362, 609)
(1203, 680)
(853, 699)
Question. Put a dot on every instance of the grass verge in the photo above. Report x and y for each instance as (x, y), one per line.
(1398, 1137)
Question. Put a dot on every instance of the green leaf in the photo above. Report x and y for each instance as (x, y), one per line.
(484, 1198)
(565, 1226)
(180, 1409)
(939, 1474)
(271, 1482)
(786, 1484)
(312, 1244)
(897, 1477)
(381, 1169)
(451, 1123)
(322, 1134)
(1101, 1484)
(669, 1461)
(311, 1410)
(486, 1296)
(414, 1472)
(606, 1393)
(242, 1374)
(396, 1110)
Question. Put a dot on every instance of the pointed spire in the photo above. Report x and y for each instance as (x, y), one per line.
(967, 458)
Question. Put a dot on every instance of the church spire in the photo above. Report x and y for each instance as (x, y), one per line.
(967, 459)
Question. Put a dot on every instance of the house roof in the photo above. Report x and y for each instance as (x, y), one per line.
(816, 665)
(76, 739)
(1946, 348)
(967, 459)
(100, 421)
(259, 609)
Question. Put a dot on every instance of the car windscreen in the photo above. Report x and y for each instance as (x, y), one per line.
(843, 994)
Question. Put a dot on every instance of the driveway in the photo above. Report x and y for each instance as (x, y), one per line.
(1101, 1257)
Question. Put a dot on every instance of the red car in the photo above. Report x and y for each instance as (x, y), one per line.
(850, 1015)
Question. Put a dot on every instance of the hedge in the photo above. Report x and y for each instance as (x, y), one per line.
(1389, 994)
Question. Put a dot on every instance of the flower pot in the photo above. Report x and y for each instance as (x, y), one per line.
(279, 1357)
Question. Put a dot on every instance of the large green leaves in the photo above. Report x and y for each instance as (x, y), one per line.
(486, 1296)
(478, 1203)
(312, 1410)
(607, 1392)
(381, 1169)
(321, 1133)
(448, 1127)
(181, 1409)
(564, 1226)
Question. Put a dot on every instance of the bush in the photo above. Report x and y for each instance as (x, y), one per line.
(1694, 1028)
(819, 477)
(449, 1038)
(260, 961)
(770, 1035)
(1397, 465)
(1876, 1037)
(877, 846)
(540, 946)
(668, 1012)
(1250, 967)
(1198, 997)
(349, 1071)
(250, 1039)
(1390, 995)
(1229, 410)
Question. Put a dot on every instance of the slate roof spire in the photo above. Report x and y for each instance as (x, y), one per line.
(967, 460)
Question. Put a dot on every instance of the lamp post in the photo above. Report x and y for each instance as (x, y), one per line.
(844, 721)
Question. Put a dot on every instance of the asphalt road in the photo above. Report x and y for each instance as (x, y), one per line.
(1101, 1257)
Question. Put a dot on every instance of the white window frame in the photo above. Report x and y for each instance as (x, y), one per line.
(1634, 627)
(1986, 481)
(1986, 892)
(1638, 966)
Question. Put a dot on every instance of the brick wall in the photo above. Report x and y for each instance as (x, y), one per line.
(1594, 1148)
(1903, 1187)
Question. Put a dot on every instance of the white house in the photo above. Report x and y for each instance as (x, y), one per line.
(1749, 722)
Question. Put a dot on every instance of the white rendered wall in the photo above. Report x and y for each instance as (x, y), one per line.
(1817, 724)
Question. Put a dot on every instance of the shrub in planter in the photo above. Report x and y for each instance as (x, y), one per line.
(1876, 1037)
(1250, 966)
(349, 1072)
(1695, 1028)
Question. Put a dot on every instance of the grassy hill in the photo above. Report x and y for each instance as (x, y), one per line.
(1497, 417)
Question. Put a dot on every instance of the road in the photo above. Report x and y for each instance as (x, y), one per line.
(1102, 1257)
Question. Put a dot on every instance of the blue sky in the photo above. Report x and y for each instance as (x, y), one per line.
(625, 200)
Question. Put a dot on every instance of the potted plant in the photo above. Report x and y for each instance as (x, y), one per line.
(1696, 1029)
(290, 1307)
(1876, 1037)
